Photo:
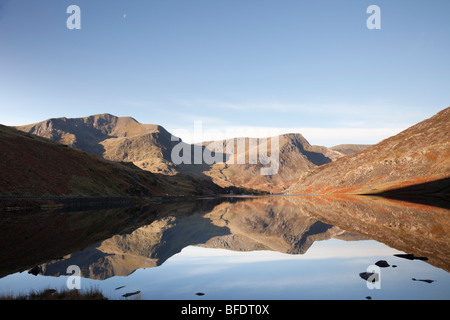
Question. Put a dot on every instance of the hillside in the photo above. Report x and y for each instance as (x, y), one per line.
(35, 166)
(416, 156)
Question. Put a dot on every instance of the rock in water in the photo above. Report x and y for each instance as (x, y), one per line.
(369, 276)
(35, 271)
(423, 280)
(382, 264)
(130, 294)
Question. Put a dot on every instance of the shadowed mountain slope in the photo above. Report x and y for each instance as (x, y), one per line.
(36, 166)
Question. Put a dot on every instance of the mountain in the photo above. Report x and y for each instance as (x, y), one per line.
(295, 157)
(150, 148)
(416, 156)
(36, 166)
(113, 138)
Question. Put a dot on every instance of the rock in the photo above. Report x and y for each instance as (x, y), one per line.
(369, 276)
(35, 271)
(382, 264)
(423, 280)
(130, 294)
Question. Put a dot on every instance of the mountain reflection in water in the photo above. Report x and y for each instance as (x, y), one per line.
(116, 242)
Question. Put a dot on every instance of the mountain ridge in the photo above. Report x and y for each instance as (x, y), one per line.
(415, 156)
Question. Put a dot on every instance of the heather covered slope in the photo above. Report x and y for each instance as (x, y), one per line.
(417, 155)
(35, 166)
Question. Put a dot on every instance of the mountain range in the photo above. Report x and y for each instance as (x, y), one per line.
(106, 154)
(150, 147)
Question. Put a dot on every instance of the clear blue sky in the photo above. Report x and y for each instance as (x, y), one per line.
(309, 66)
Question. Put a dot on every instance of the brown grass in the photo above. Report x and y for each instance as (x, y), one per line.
(52, 294)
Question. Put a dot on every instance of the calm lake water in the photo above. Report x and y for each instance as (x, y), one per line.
(262, 248)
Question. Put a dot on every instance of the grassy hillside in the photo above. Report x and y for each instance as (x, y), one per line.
(415, 156)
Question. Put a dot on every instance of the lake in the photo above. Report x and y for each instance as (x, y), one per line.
(235, 248)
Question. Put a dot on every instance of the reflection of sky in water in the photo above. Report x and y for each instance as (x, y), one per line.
(329, 270)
